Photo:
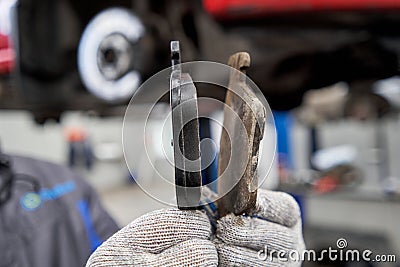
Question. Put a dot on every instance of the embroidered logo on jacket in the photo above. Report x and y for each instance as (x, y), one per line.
(31, 200)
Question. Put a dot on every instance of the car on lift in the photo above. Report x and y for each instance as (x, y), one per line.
(93, 55)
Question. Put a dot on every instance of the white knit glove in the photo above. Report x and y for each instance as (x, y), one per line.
(274, 225)
(168, 237)
(175, 238)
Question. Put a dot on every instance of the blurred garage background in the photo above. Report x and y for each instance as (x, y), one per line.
(328, 68)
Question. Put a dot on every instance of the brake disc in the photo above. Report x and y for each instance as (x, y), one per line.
(106, 53)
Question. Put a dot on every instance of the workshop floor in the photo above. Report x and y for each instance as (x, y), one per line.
(128, 202)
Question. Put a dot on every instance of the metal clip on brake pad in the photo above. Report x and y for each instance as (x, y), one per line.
(186, 140)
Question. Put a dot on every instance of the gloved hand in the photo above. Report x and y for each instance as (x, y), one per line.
(168, 237)
(182, 238)
(274, 225)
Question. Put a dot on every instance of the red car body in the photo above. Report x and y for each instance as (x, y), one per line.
(230, 9)
(7, 55)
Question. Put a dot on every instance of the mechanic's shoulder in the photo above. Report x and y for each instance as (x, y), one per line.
(40, 167)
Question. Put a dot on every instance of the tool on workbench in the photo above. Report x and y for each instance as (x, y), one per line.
(241, 198)
(186, 140)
